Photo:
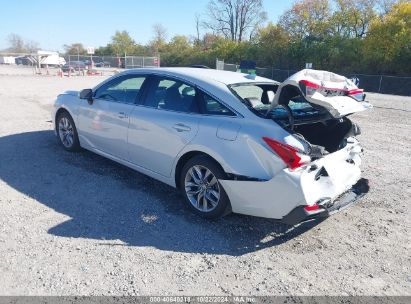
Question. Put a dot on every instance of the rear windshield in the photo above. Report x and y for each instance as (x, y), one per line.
(256, 96)
(259, 96)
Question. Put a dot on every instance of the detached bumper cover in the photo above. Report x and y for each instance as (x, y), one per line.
(327, 206)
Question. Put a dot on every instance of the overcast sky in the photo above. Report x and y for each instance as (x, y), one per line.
(54, 23)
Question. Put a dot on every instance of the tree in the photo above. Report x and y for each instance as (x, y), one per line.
(307, 19)
(180, 43)
(159, 38)
(234, 19)
(352, 17)
(18, 45)
(122, 43)
(385, 6)
(388, 43)
(197, 25)
(368, 36)
(177, 52)
(32, 46)
(105, 50)
(75, 49)
(209, 40)
(273, 42)
(160, 33)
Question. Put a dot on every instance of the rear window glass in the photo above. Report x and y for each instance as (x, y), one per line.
(259, 97)
(249, 91)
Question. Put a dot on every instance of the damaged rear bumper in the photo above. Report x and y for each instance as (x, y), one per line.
(324, 186)
(327, 206)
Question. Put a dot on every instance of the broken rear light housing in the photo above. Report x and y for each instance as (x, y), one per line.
(310, 88)
(311, 207)
(290, 155)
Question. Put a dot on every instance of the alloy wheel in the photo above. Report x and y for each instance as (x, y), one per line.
(202, 188)
(66, 132)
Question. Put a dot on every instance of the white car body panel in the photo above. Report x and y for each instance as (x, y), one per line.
(100, 125)
(338, 106)
(156, 136)
(296, 188)
(149, 140)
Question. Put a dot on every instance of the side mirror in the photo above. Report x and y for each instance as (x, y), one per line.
(87, 94)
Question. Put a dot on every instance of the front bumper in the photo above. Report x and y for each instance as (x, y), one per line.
(327, 206)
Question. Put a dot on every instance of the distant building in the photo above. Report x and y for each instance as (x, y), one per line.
(49, 58)
(7, 60)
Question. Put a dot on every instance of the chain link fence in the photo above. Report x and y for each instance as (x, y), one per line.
(383, 84)
(124, 62)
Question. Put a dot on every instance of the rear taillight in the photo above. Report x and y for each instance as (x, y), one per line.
(308, 87)
(290, 155)
(355, 92)
(311, 208)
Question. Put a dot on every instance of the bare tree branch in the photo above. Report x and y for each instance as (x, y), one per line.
(234, 19)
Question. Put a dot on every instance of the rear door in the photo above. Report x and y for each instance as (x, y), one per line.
(164, 125)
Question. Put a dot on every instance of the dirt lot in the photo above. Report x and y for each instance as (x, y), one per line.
(79, 224)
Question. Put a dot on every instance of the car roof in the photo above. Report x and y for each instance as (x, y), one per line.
(225, 77)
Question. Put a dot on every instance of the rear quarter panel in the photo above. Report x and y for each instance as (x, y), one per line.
(243, 153)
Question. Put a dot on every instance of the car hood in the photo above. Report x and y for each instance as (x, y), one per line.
(335, 93)
(71, 93)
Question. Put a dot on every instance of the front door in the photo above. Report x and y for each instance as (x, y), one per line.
(104, 124)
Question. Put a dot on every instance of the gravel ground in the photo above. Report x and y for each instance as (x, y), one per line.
(78, 224)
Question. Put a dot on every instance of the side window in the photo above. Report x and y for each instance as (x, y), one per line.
(123, 89)
(211, 106)
(170, 94)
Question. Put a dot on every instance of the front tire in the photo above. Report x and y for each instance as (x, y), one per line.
(202, 191)
(67, 132)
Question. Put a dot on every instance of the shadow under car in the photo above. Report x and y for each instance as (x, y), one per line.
(108, 201)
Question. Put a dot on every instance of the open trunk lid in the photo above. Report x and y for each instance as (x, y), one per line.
(334, 93)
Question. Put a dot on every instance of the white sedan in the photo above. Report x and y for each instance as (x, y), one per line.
(230, 142)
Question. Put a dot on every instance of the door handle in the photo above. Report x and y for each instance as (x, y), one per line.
(122, 115)
(179, 127)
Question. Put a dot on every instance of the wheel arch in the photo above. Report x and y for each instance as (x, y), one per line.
(184, 158)
(60, 110)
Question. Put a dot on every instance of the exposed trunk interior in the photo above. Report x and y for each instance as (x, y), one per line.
(314, 123)
(330, 134)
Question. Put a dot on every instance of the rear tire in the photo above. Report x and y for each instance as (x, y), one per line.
(201, 189)
(67, 132)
